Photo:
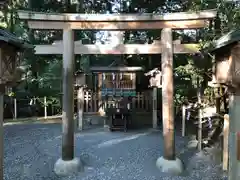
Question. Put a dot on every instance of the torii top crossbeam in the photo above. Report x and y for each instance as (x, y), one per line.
(30, 15)
(181, 20)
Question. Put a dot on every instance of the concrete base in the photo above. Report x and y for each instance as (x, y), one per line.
(174, 167)
(64, 168)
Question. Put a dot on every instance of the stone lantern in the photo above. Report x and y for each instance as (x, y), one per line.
(80, 84)
(155, 82)
(11, 49)
(155, 78)
(80, 78)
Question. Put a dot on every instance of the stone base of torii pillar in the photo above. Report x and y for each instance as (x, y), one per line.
(174, 167)
(69, 167)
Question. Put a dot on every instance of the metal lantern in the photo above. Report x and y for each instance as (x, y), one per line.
(11, 49)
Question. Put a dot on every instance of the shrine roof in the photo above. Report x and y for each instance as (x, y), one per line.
(116, 66)
(13, 40)
(227, 39)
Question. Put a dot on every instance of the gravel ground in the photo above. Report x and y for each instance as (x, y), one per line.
(31, 151)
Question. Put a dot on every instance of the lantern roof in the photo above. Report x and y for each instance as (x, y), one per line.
(13, 40)
(152, 72)
(227, 39)
(80, 71)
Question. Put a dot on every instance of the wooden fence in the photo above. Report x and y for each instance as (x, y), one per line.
(142, 102)
(92, 103)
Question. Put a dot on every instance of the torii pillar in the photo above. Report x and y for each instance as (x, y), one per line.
(168, 162)
(68, 164)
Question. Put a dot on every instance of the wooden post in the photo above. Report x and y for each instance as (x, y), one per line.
(225, 142)
(68, 80)
(183, 120)
(80, 104)
(149, 61)
(199, 117)
(15, 108)
(218, 100)
(234, 136)
(87, 100)
(1, 128)
(167, 94)
(2, 90)
(138, 100)
(155, 121)
(45, 107)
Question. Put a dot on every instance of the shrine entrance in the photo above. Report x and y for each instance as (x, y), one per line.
(166, 47)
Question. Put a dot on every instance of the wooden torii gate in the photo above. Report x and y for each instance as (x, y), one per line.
(79, 48)
(154, 48)
(68, 22)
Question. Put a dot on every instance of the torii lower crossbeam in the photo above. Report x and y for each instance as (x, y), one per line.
(119, 49)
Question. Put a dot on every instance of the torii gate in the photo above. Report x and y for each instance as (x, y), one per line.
(68, 22)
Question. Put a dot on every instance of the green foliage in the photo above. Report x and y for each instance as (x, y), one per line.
(43, 74)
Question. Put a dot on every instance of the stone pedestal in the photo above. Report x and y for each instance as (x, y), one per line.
(64, 168)
(174, 167)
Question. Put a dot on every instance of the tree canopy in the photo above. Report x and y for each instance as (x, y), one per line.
(43, 73)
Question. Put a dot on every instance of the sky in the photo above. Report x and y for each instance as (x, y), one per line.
(109, 37)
